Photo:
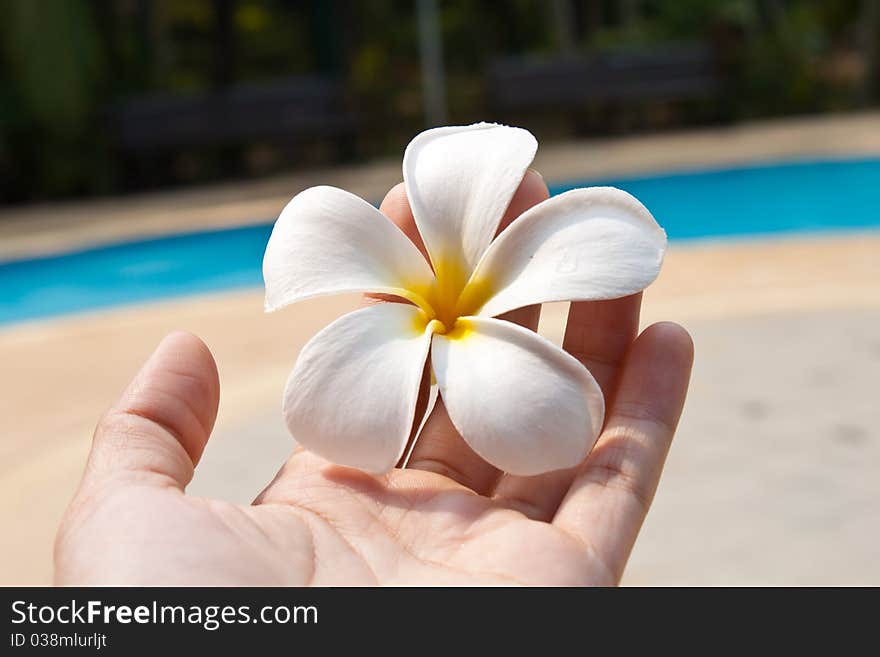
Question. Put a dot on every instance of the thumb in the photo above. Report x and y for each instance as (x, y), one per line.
(161, 424)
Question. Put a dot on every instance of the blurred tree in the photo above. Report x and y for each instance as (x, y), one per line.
(53, 70)
(65, 64)
(870, 40)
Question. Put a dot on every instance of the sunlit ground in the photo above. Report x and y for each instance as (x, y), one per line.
(771, 480)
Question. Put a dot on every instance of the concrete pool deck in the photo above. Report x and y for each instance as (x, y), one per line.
(773, 476)
(52, 227)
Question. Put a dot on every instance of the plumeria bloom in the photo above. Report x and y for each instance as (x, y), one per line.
(522, 403)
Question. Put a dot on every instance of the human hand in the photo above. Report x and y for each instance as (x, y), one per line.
(447, 518)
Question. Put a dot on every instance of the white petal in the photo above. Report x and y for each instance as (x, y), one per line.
(352, 394)
(459, 181)
(328, 241)
(583, 245)
(517, 399)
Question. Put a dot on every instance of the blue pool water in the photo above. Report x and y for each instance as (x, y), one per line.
(758, 200)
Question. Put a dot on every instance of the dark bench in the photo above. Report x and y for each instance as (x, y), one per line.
(670, 72)
(284, 112)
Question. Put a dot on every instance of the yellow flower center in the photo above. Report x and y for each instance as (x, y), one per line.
(450, 298)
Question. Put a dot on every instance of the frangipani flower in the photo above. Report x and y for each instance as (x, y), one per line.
(522, 403)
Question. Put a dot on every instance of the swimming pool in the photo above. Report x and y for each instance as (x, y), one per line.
(757, 200)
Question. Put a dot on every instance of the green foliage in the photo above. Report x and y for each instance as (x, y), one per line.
(66, 64)
(53, 71)
(54, 60)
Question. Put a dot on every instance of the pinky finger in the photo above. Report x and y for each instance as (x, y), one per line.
(610, 496)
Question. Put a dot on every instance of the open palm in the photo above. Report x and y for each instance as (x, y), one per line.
(447, 518)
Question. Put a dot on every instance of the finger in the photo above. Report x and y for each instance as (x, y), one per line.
(159, 427)
(440, 448)
(396, 207)
(609, 498)
(598, 334)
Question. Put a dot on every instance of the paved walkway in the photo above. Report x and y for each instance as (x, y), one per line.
(46, 228)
